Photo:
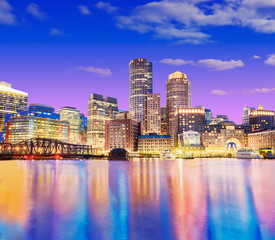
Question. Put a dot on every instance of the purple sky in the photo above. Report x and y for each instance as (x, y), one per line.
(61, 55)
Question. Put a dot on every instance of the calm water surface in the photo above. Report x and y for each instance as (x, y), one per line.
(173, 199)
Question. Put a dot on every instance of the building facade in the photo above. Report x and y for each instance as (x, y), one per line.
(40, 121)
(122, 133)
(246, 114)
(178, 96)
(190, 119)
(99, 110)
(261, 119)
(262, 139)
(72, 116)
(11, 101)
(154, 144)
(153, 114)
(140, 84)
(164, 127)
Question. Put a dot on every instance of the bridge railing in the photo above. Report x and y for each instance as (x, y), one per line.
(42, 146)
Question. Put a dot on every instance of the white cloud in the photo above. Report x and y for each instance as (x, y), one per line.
(219, 92)
(185, 20)
(101, 71)
(259, 90)
(84, 10)
(219, 65)
(6, 15)
(270, 60)
(256, 57)
(106, 6)
(35, 11)
(176, 62)
(55, 31)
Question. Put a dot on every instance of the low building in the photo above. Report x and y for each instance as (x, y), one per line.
(154, 144)
(39, 122)
(123, 115)
(122, 133)
(263, 139)
(225, 135)
(189, 138)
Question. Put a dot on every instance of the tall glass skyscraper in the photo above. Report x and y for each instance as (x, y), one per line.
(178, 95)
(140, 83)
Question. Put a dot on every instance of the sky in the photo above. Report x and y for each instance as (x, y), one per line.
(62, 51)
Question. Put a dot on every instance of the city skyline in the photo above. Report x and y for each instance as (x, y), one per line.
(76, 49)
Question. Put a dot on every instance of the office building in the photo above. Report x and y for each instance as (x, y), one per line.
(164, 127)
(190, 119)
(122, 133)
(261, 119)
(154, 144)
(40, 121)
(99, 110)
(72, 116)
(140, 83)
(246, 114)
(153, 114)
(218, 119)
(208, 113)
(262, 139)
(123, 115)
(178, 96)
(11, 101)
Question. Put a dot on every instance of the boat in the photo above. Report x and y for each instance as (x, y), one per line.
(243, 153)
(167, 154)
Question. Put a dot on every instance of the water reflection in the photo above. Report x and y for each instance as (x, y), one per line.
(198, 199)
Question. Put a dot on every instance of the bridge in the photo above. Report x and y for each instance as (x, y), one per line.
(41, 148)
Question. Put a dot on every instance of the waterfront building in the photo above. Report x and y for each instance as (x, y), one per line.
(122, 133)
(190, 119)
(153, 114)
(262, 139)
(11, 101)
(246, 114)
(140, 83)
(99, 110)
(123, 115)
(40, 121)
(261, 119)
(164, 130)
(224, 135)
(154, 144)
(72, 116)
(178, 96)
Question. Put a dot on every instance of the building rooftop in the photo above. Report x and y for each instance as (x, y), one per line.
(154, 136)
(7, 87)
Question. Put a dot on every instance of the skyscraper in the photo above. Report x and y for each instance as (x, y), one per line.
(178, 94)
(140, 83)
(261, 119)
(153, 114)
(246, 113)
(71, 115)
(11, 100)
(99, 110)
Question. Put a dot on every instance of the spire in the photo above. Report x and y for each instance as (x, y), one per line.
(261, 107)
